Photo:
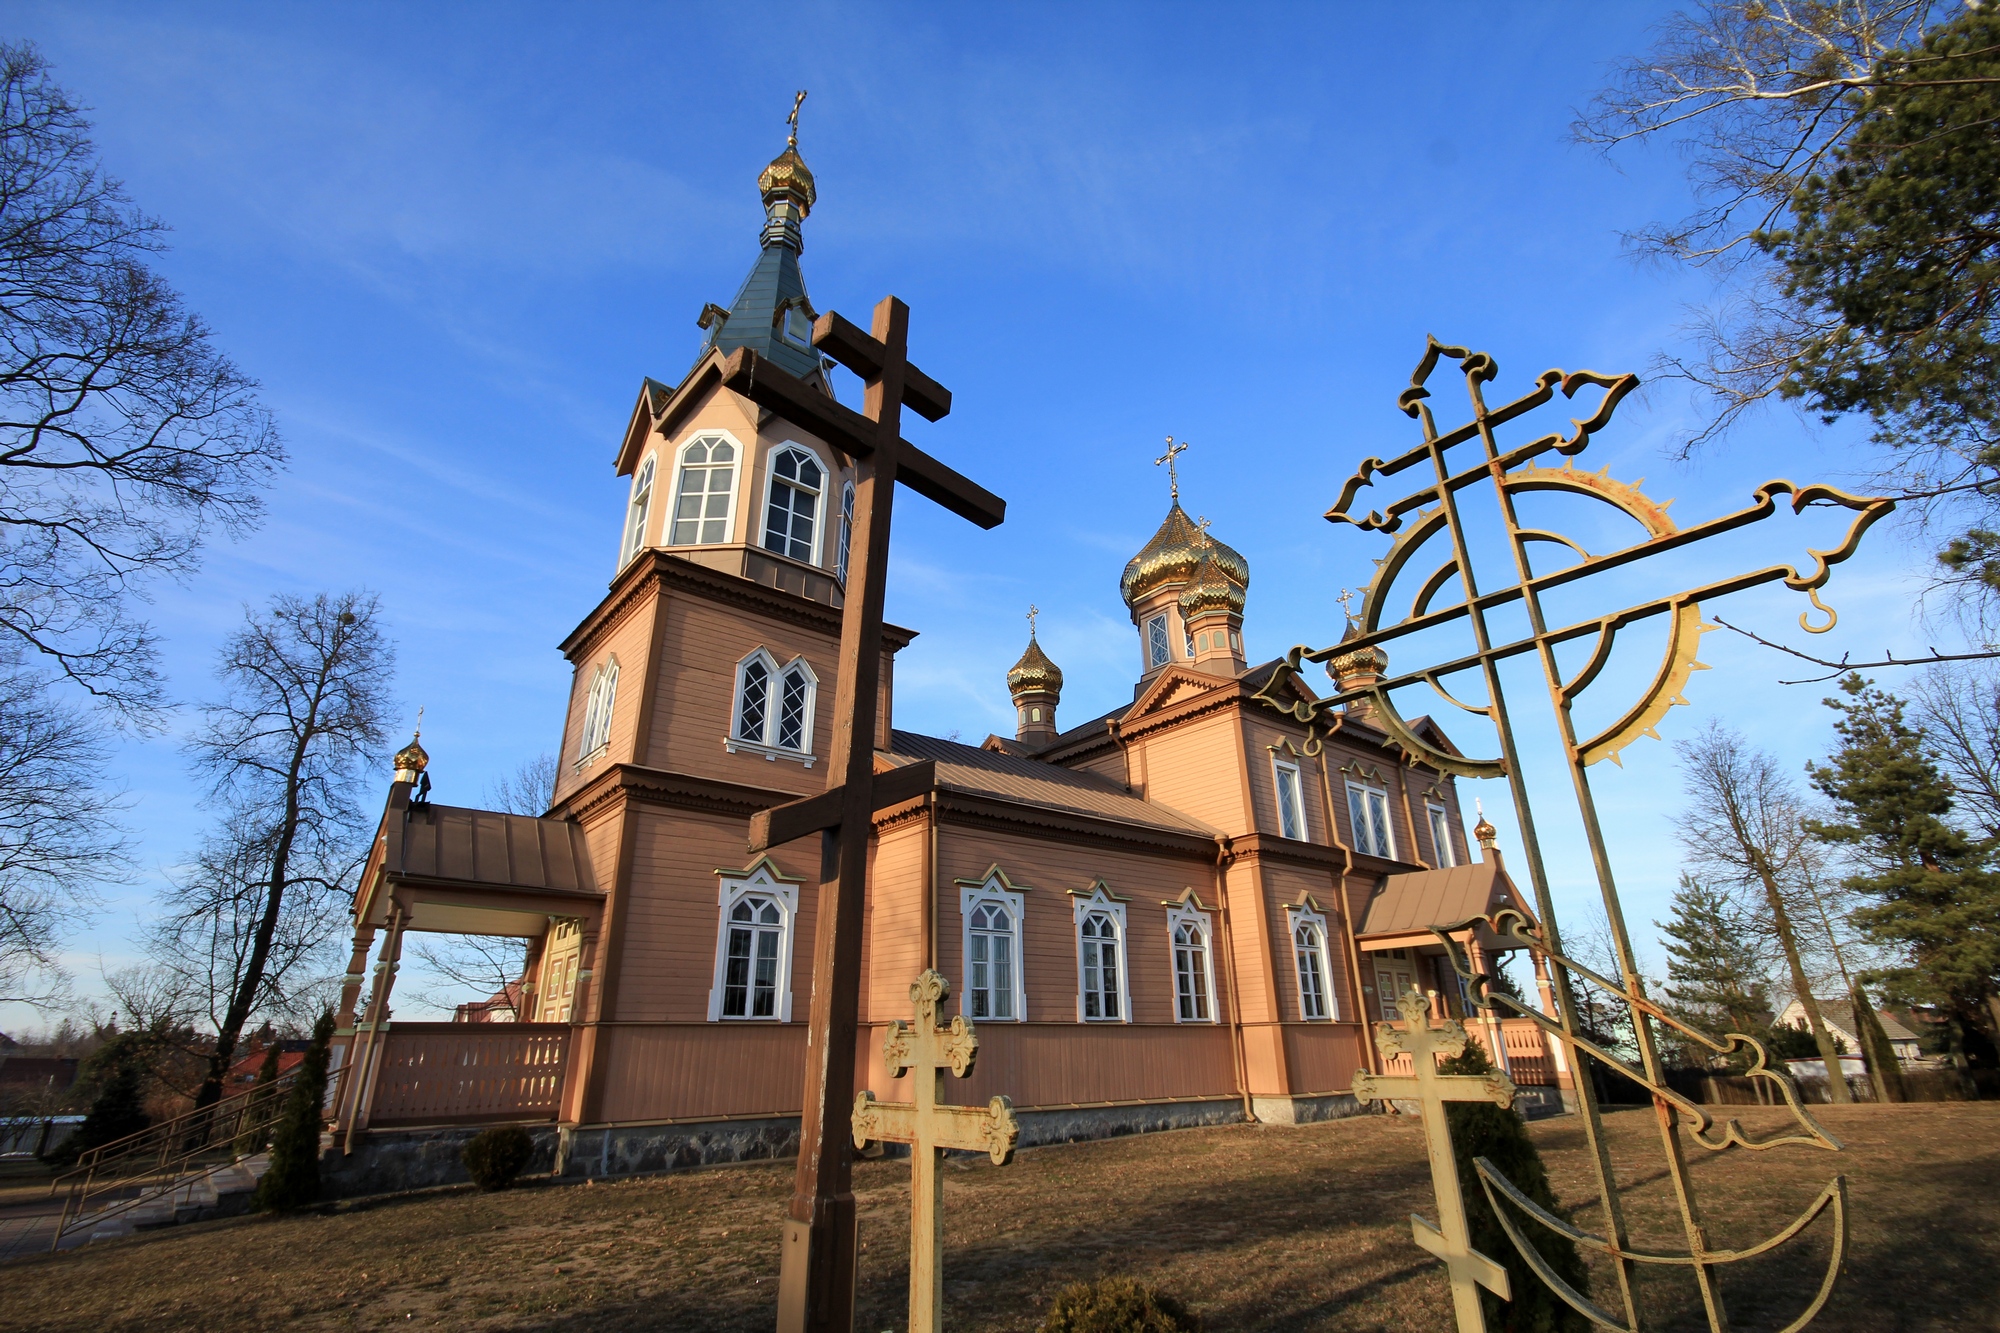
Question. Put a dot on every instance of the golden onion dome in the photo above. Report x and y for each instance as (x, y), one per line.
(1484, 830)
(1212, 590)
(411, 760)
(787, 175)
(1034, 672)
(1175, 555)
(1362, 666)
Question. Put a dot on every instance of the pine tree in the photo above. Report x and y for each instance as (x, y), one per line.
(257, 1117)
(292, 1180)
(1715, 979)
(118, 1069)
(1482, 1129)
(1935, 896)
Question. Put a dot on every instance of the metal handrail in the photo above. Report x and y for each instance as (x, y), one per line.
(169, 1148)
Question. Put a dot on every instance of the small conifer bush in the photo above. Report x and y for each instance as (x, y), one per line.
(117, 1069)
(292, 1179)
(494, 1157)
(262, 1110)
(1117, 1305)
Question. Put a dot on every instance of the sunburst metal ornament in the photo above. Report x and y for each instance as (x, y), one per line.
(1429, 580)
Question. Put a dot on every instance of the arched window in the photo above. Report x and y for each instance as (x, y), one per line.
(792, 512)
(846, 528)
(1368, 808)
(774, 708)
(1099, 941)
(753, 950)
(1158, 646)
(707, 485)
(642, 505)
(1194, 976)
(989, 987)
(603, 697)
(1318, 1001)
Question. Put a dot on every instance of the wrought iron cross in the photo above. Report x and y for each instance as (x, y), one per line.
(929, 1127)
(816, 1278)
(1033, 611)
(1429, 579)
(1173, 453)
(1451, 1239)
(792, 121)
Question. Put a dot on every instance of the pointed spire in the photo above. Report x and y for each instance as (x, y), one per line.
(772, 315)
(1035, 684)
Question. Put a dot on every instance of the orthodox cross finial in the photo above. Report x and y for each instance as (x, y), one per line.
(1033, 611)
(1174, 451)
(419, 732)
(1346, 600)
(792, 139)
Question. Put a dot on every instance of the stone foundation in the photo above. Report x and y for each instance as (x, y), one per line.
(386, 1161)
(1307, 1110)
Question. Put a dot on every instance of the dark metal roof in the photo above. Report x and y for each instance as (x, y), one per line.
(487, 849)
(1420, 899)
(1032, 782)
(774, 281)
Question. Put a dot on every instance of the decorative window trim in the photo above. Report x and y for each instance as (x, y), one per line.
(1099, 898)
(1388, 822)
(765, 878)
(994, 887)
(735, 484)
(846, 530)
(1442, 846)
(826, 476)
(1281, 769)
(766, 744)
(1187, 910)
(599, 707)
(1308, 913)
(639, 509)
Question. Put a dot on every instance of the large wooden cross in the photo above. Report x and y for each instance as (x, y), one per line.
(816, 1277)
(1451, 1240)
(930, 1127)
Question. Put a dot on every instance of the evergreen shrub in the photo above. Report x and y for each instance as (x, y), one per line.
(495, 1156)
(117, 1070)
(1117, 1305)
(255, 1135)
(292, 1180)
(1483, 1129)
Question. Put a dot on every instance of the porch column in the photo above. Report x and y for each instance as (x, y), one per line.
(585, 1016)
(1557, 1055)
(1489, 1021)
(368, 1032)
(341, 1052)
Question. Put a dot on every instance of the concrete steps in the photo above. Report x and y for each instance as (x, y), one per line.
(216, 1191)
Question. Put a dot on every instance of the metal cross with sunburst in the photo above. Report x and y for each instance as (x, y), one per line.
(1429, 580)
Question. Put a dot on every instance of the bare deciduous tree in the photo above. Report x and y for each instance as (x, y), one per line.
(306, 691)
(125, 436)
(529, 789)
(1958, 709)
(1744, 824)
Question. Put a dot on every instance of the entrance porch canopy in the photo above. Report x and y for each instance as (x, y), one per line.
(1402, 912)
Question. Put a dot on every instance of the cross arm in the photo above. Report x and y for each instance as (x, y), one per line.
(795, 819)
(1493, 1087)
(764, 384)
(1467, 1262)
(858, 350)
(991, 1129)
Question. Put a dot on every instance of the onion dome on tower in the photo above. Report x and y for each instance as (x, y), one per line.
(1036, 686)
(1358, 670)
(410, 761)
(1186, 593)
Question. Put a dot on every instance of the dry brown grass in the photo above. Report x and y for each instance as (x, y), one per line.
(1262, 1228)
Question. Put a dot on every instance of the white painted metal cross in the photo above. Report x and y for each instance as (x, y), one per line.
(1451, 1240)
(929, 1127)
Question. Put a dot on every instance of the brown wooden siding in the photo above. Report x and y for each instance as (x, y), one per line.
(1323, 1057)
(1061, 1064)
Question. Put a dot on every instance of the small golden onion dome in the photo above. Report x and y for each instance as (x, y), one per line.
(1212, 590)
(1363, 666)
(411, 760)
(1034, 672)
(787, 175)
(1174, 555)
(1484, 831)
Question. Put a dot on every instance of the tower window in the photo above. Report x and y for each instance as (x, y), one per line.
(793, 511)
(1368, 807)
(1159, 648)
(846, 529)
(635, 516)
(1188, 640)
(798, 326)
(1291, 800)
(774, 708)
(597, 708)
(707, 485)
(1441, 835)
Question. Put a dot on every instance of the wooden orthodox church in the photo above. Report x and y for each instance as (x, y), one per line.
(1176, 913)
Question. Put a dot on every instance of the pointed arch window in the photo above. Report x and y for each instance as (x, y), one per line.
(1291, 800)
(1194, 968)
(753, 947)
(846, 528)
(641, 506)
(1318, 1001)
(791, 513)
(1440, 819)
(1368, 807)
(597, 709)
(706, 493)
(1102, 992)
(992, 912)
(773, 712)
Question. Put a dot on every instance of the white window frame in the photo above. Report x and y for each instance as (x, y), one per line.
(1306, 916)
(1186, 914)
(1442, 845)
(1153, 660)
(767, 743)
(760, 880)
(639, 509)
(969, 901)
(600, 704)
(846, 530)
(680, 468)
(1363, 791)
(1284, 772)
(826, 477)
(1099, 900)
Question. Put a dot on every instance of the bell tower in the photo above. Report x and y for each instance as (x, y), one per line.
(1185, 591)
(1036, 686)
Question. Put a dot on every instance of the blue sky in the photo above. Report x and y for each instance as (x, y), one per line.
(451, 240)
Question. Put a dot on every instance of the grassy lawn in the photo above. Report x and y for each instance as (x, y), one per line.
(1259, 1227)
